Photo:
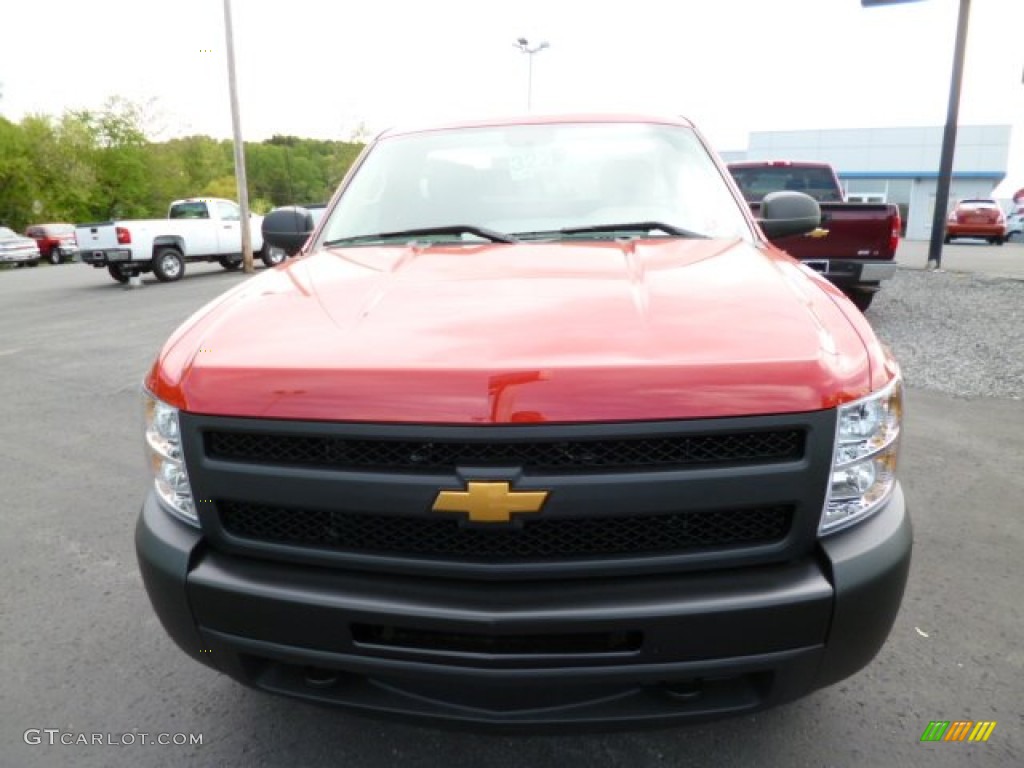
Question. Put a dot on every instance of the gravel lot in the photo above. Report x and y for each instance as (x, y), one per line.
(954, 332)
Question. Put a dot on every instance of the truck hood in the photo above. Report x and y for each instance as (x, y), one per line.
(496, 333)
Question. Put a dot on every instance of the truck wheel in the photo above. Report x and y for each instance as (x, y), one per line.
(55, 256)
(272, 256)
(168, 265)
(861, 299)
(229, 264)
(117, 273)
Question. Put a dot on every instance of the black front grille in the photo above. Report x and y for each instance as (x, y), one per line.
(558, 538)
(572, 455)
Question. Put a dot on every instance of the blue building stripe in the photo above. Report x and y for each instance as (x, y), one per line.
(993, 175)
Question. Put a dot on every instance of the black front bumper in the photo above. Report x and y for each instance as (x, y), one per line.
(632, 650)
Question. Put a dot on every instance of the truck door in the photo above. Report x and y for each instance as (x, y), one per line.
(229, 228)
(196, 225)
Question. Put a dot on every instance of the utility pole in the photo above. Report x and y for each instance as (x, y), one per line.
(236, 125)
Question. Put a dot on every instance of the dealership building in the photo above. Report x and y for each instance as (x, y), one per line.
(894, 165)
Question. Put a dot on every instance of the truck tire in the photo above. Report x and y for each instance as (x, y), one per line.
(115, 271)
(861, 299)
(272, 256)
(54, 257)
(229, 264)
(168, 265)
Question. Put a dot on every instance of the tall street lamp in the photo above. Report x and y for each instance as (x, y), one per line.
(530, 50)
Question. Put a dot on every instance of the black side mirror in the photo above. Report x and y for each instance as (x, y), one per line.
(288, 228)
(789, 213)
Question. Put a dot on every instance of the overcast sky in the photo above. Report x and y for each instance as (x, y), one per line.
(319, 68)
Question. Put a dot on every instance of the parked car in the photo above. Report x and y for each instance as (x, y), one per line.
(979, 218)
(1015, 222)
(17, 250)
(56, 241)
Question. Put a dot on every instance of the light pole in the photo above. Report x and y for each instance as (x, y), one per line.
(524, 45)
(949, 139)
(948, 134)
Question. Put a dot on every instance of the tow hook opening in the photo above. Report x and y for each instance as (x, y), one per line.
(682, 690)
(318, 677)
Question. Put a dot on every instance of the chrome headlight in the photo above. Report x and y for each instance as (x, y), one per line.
(864, 460)
(166, 460)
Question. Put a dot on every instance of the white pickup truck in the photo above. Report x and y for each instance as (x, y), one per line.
(196, 229)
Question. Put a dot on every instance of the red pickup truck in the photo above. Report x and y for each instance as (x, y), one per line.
(545, 433)
(855, 247)
(56, 241)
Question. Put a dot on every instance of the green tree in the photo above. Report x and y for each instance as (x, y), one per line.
(17, 191)
(223, 186)
(119, 159)
(98, 164)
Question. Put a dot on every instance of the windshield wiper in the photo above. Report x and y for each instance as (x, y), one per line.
(453, 229)
(630, 228)
(635, 226)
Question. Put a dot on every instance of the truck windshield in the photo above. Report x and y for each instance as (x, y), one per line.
(817, 182)
(537, 181)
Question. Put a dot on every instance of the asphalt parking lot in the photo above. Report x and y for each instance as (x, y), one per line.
(81, 651)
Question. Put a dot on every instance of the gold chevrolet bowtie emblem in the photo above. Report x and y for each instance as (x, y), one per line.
(489, 502)
(818, 233)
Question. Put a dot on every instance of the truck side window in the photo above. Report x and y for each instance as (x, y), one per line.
(228, 211)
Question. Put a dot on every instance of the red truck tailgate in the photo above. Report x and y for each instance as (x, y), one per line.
(848, 231)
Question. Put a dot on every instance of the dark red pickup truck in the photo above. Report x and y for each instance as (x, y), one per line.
(855, 246)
